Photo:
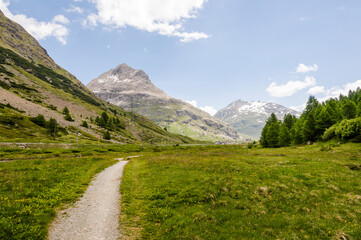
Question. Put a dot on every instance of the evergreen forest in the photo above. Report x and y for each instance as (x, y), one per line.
(337, 118)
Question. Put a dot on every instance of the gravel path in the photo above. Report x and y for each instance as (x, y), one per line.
(96, 215)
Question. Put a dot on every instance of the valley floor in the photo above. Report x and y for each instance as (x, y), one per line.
(191, 192)
(232, 192)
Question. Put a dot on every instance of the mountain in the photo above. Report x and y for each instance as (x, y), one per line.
(132, 90)
(249, 118)
(32, 85)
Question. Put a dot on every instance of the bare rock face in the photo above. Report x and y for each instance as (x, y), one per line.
(249, 118)
(132, 90)
(124, 80)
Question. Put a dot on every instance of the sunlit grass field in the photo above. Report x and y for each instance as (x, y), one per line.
(38, 181)
(192, 192)
(232, 192)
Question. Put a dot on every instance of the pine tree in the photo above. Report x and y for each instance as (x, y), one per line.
(65, 110)
(348, 109)
(106, 135)
(53, 127)
(311, 105)
(324, 120)
(263, 139)
(85, 124)
(272, 119)
(264, 136)
(297, 137)
(39, 120)
(336, 111)
(67, 114)
(68, 117)
(309, 128)
(105, 117)
(289, 120)
(272, 135)
(101, 122)
(284, 136)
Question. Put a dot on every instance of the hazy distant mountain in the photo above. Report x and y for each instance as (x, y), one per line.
(249, 118)
(132, 90)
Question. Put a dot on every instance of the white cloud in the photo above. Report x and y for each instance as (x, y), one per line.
(40, 30)
(302, 68)
(290, 88)
(336, 91)
(193, 103)
(316, 90)
(78, 0)
(75, 9)
(61, 19)
(208, 109)
(165, 17)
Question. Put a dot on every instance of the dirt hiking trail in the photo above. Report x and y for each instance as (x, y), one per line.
(95, 216)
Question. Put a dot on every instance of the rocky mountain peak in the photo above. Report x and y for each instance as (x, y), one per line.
(125, 70)
(1, 13)
(125, 79)
(132, 90)
(248, 118)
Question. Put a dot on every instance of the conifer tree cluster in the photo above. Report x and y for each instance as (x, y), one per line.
(109, 123)
(51, 125)
(335, 118)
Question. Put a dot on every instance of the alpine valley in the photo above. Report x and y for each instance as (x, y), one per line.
(35, 90)
(132, 90)
(249, 118)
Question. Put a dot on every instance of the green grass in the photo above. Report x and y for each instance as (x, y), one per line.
(232, 192)
(32, 190)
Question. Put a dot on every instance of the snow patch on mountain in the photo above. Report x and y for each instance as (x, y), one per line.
(248, 118)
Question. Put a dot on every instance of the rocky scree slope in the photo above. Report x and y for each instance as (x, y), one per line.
(31, 83)
(132, 90)
(249, 118)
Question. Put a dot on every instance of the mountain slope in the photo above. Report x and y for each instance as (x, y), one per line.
(249, 118)
(31, 84)
(132, 90)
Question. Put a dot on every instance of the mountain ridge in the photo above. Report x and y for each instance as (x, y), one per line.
(249, 117)
(132, 90)
(32, 85)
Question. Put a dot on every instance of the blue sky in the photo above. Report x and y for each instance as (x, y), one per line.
(208, 52)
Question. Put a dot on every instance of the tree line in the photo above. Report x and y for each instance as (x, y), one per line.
(335, 118)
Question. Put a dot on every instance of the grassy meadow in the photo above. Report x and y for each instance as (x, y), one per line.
(35, 182)
(233, 192)
(191, 192)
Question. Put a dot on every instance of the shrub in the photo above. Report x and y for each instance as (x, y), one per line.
(348, 129)
(39, 120)
(68, 118)
(330, 133)
(84, 124)
(106, 135)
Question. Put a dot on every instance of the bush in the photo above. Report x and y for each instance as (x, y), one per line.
(348, 129)
(106, 135)
(84, 124)
(39, 120)
(330, 133)
(68, 118)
